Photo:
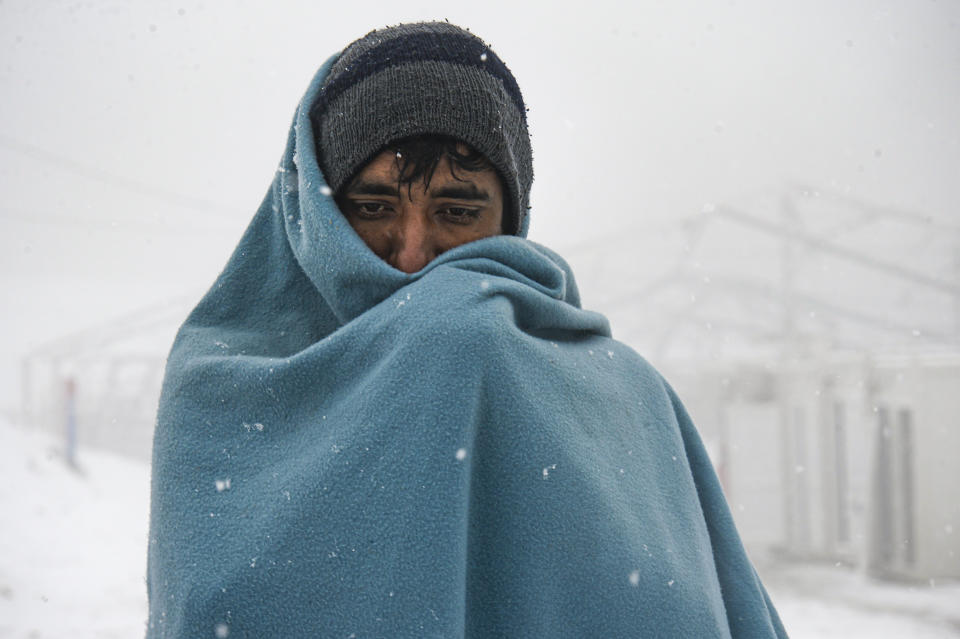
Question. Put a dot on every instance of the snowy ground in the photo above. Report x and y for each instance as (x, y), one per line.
(827, 601)
(72, 559)
(72, 543)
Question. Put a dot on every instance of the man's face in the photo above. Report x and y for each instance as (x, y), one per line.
(409, 225)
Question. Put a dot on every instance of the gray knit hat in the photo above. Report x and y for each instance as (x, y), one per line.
(421, 79)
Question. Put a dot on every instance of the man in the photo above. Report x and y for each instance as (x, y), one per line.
(390, 417)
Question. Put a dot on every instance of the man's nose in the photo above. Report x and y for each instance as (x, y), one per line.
(414, 247)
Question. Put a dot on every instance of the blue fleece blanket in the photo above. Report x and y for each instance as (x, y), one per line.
(345, 450)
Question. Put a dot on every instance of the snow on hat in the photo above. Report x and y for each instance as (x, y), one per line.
(422, 79)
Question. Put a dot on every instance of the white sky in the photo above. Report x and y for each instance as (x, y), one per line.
(137, 140)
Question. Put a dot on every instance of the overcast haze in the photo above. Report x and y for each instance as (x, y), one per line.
(136, 141)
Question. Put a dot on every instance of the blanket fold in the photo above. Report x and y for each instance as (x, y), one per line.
(346, 450)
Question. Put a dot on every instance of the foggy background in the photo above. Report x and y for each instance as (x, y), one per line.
(736, 184)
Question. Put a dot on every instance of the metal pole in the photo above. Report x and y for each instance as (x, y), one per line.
(70, 405)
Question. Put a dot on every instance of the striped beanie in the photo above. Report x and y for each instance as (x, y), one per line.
(423, 79)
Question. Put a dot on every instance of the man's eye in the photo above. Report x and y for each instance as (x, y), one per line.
(371, 209)
(459, 214)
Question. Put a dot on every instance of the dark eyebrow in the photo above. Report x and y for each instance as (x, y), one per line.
(456, 192)
(373, 188)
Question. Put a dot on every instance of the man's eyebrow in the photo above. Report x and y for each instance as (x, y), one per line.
(364, 187)
(457, 192)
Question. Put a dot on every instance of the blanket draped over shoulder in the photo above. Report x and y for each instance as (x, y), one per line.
(346, 450)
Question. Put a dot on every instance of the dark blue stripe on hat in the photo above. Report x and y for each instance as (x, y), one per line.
(439, 47)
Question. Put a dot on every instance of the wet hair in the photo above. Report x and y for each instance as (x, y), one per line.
(418, 158)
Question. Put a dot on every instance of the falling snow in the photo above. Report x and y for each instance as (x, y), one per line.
(879, 132)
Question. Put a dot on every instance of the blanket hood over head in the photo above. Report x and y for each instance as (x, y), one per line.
(346, 450)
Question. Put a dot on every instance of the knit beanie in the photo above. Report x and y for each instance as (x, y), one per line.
(422, 79)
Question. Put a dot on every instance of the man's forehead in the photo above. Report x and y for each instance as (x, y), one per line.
(383, 173)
